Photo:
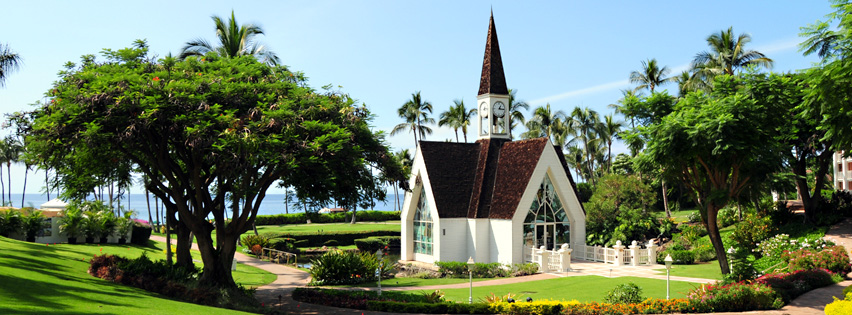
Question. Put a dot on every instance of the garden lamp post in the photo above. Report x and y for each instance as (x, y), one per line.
(379, 270)
(470, 265)
(731, 253)
(668, 261)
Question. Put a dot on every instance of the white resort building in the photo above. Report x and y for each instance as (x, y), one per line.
(842, 171)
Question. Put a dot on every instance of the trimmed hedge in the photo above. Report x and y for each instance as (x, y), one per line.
(140, 234)
(430, 308)
(372, 244)
(301, 218)
(314, 239)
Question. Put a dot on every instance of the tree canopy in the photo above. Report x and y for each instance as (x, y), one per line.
(212, 135)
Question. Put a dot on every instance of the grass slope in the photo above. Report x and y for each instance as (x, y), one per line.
(39, 279)
(580, 288)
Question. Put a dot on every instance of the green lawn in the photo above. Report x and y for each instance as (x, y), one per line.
(39, 279)
(581, 288)
(328, 227)
(679, 216)
(708, 270)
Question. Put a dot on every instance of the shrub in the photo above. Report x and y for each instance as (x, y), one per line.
(250, 240)
(301, 218)
(330, 243)
(342, 267)
(692, 232)
(524, 269)
(793, 284)
(625, 293)
(727, 216)
(301, 243)
(284, 244)
(10, 222)
(458, 269)
(839, 307)
(833, 258)
(736, 297)
(751, 231)
(694, 217)
(140, 233)
(778, 244)
(33, 223)
(679, 257)
(343, 238)
(370, 244)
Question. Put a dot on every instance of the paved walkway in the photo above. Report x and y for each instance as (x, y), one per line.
(278, 293)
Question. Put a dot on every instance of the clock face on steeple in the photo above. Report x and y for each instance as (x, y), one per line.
(499, 110)
(483, 110)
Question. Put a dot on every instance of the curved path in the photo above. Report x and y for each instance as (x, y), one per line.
(278, 293)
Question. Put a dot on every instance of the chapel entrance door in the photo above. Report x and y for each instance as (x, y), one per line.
(544, 235)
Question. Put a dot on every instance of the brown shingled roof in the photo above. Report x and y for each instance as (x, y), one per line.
(492, 80)
(451, 168)
(517, 163)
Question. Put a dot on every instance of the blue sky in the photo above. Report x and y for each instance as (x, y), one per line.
(566, 53)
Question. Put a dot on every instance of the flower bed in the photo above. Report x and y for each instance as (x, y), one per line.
(834, 259)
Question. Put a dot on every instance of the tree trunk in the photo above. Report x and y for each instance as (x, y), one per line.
(800, 169)
(217, 261)
(666, 199)
(823, 165)
(287, 201)
(254, 227)
(148, 202)
(184, 245)
(168, 239)
(2, 187)
(24, 194)
(157, 212)
(47, 182)
(712, 211)
(9, 177)
(353, 215)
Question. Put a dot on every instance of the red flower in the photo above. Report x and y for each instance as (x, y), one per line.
(156, 79)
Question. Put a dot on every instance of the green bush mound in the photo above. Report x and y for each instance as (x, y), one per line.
(793, 284)
(385, 243)
(459, 269)
(314, 239)
(343, 267)
(625, 293)
(735, 297)
(301, 218)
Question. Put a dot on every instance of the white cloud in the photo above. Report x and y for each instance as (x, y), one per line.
(589, 90)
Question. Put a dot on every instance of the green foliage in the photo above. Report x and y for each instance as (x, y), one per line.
(249, 241)
(301, 218)
(436, 296)
(71, 221)
(140, 233)
(284, 244)
(10, 222)
(727, 216)
(753, 230)
(370, 244)
(330, 243)
(344, 267)
(32, 223)
(793, 284)
(317, 239)
(616, 211)
(428, 308)
(680, 256)
(460, 269)
(625, 293)
(584, 192)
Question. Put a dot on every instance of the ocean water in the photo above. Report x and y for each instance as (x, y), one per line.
(271, 204)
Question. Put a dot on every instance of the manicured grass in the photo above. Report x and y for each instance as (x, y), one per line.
(412, 282)
(581, 288)
(679, 216)
(39, 279)
(708, 270)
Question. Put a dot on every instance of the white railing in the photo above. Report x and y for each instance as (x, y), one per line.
(619, 255)
(555, 261)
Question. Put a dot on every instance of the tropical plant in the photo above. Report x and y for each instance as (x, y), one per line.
(72, 222)
(416, 113)
(628, 104)
(545, 123)
(9, 62)
(625, 293)
(608, 130)
(32, 223)
(584, 123)
(10, 222)
(727, 54)
(650, 76)
(234, 40)
(457, 117)
(124, 224)
(10, 151)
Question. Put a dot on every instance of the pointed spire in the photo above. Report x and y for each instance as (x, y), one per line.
(492, 80)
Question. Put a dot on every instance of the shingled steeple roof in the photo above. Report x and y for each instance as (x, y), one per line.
(493, 80)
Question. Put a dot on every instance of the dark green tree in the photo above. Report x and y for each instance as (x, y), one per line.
(717, 144)
(212, 135)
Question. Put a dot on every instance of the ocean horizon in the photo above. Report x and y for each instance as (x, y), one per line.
(272, 204)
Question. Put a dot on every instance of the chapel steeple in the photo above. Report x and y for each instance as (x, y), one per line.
(493, 80)
(493, 97)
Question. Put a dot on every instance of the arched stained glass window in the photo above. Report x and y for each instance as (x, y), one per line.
(546, 223)
(422, 226)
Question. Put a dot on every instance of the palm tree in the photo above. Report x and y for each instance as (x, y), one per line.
(10, 151)
(608, 130)
(235, 40)
(9, 62)
(457, 117)
(574, 157)
(416, 113)
(544, 123)
(404, 158)
(650, 76)
(516, 117)
(726, 55)
(585, 122)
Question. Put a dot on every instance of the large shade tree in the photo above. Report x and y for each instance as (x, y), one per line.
(211, 136)
(234, 40)
(717, 144)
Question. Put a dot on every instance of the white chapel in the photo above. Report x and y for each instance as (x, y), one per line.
(493, 200)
